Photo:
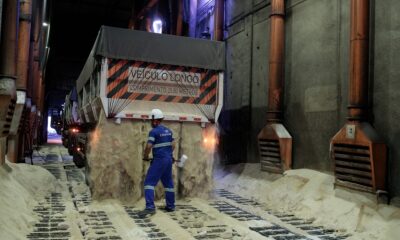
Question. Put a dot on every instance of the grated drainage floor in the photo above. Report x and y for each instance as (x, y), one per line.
(200, 224)
(56, 170)
(192, 219)
(153, 232)
(99, 226)
(275, 231)
(52, 157)
(96, 224)
(52, 221)
(305, 225)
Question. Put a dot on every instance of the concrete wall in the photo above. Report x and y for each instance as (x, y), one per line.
(386, 83)
(313, 81)
(316, 78)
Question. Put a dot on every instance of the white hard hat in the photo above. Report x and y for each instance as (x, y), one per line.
(157, 114)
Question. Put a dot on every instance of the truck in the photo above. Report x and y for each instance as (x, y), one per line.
(73, 129)
(127, 74)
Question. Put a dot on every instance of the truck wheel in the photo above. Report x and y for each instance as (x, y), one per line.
(87, 174)
(78, 160)
(70, 152)
(65, 142)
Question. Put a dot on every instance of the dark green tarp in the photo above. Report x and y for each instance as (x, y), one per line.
(120, 43)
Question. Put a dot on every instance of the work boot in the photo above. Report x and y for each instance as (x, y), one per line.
(146, 213)
(167, 209)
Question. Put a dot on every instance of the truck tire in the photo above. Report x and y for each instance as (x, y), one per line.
(65, 142)
(78, 160)
(87, 174)
(70, 151)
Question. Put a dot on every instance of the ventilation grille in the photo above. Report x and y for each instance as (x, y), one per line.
(9, 117)
(270, 155)
(353, 166)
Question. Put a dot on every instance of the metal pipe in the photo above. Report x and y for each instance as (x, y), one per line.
(219, 20)
(276, 62)
(36, 52)
(8, 57)
(42, 90)
(30, 85)
(274, 132)
(149, 5)
(132, 23)
(24, 44)
(171, 18)
(179, 20)
(8, 68)
(359, 60)
(8, 49)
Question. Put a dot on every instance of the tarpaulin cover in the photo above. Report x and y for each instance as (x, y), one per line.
(120, 43)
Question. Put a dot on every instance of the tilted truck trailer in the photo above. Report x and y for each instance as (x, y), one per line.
(129, 73)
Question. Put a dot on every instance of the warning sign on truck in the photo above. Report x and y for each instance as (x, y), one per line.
(137, 80)
(163, 82)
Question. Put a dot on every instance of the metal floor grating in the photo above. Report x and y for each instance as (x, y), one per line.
(273, 231)
(54, 169)
(74, 174)
(236, 198)
(305, 225)
(97, 223)
(81, 198)
(51, 158)
(151, 229)
(51, 223)
(192, 219)
(234, 212)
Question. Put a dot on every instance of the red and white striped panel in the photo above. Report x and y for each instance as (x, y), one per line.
(167, 117)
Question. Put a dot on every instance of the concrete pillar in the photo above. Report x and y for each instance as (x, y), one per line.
(219, 20)
(179, 20)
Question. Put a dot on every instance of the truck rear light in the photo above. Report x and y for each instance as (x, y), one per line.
(75, 130)
(209, 139)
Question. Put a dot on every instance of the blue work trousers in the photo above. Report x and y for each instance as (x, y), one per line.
(160, 169)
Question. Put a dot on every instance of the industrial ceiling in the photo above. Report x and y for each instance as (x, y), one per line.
(74, 25)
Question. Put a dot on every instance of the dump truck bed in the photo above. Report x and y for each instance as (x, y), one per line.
(132, 72)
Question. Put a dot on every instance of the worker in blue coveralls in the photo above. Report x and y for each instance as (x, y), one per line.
(162, 143)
